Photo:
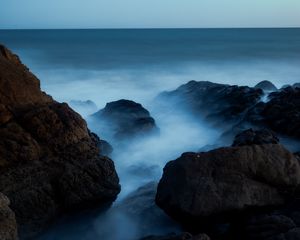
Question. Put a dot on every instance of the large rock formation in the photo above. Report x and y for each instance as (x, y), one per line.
(236, 108)
(49, 161)
(125, 118)
(266, 86)
(8, 224)
(227, 181)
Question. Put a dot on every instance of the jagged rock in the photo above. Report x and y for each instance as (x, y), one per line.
(49, 161)
(224, 182)
(213, 100)
(126, 118)
(266, 86)
(259, 137)
(8, 224)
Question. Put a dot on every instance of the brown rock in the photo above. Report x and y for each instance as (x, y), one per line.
(49, 161)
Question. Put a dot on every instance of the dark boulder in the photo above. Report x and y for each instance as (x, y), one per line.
(223, 183)
(49, 161)
(125, 118)
(266, 86)
(259, 137)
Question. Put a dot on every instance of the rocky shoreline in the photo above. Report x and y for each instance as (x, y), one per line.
(51, 163)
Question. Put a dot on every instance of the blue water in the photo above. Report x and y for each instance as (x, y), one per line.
(157, 59)
(107, 65)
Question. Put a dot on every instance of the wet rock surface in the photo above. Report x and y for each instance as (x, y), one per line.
(251, 188)
(49, 161)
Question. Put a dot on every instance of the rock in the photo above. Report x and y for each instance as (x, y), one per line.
(49, 160)
(282, 112)
(84, 107)
(183, 236)
(105, 148)
(266, 86)
(8, 224)
(250, 137)
(126, 118)
(296, 85)
(212, 100)
(225, 182)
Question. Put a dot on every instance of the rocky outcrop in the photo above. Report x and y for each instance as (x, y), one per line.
(212, 100)
(8, 224)
(234, 107)
(221, 183)
(126, 118)
(49, 161)
(282, 112)
(266, 86)
(259, 137)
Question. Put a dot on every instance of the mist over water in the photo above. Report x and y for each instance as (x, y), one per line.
(108, 65)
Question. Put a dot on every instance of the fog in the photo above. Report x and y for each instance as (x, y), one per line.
(141, 161)
(76, 66)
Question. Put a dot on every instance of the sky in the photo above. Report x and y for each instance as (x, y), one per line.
(20, 14)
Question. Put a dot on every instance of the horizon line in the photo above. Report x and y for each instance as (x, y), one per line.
(147, 28)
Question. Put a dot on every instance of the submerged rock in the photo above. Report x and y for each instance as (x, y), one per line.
(266, 86)
(87, 107)
(126, 118)
(49, 161)
(8, 224)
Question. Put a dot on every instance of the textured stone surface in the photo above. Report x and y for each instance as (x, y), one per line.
(227, 180)
(49, 160)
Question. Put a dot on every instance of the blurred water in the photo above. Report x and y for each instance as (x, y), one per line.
(107, 65)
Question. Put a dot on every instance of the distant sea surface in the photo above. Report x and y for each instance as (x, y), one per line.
(95, 64)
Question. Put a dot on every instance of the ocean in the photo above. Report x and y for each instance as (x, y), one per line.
(138, 64)
(143, 62)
